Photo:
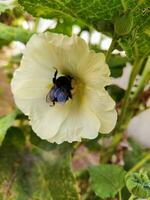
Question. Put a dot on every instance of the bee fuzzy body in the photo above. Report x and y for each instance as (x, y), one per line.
(61, 91)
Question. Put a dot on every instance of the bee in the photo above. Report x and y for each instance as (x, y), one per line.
(61, 90)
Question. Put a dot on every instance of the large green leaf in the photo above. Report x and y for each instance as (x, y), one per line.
(27, 172)
(138, 42)
(101, 16)
(96, 9)
(5, 122)
(107, 180)
(9, 33)
(64, 25)
(42, 144)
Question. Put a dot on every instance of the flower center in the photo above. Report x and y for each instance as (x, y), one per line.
(61, 90)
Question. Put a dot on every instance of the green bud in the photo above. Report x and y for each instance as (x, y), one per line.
(123, 24)
(138, 184)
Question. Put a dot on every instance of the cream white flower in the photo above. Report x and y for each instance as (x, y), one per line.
(89, 111)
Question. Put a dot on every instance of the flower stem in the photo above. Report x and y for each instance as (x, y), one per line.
(111, 47)
(140, 164)
(120, 195)
(123, 2)
(132, 197)
(124, 117)
(144, 79)
(135, 70)
(36, 24)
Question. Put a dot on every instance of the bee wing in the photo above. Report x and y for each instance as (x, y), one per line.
(50, 96)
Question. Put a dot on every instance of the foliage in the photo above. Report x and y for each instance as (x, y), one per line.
(28, 172)
(107, 180)
(31, 168)
(9, 34)
(5, 123)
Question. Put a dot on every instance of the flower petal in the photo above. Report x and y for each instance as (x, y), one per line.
(37, 60)
(80, 123)
(104, 107)
(46, 120)
(69, 51)
(108, 121)
(80, 117)
(94, 70)
(30, 89)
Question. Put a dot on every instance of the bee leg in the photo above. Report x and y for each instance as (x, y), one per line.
(55, 75)
(53, 103)
(47, 98)
(70, 95)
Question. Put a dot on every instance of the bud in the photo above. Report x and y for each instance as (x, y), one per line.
(138, 184)
(123, 24)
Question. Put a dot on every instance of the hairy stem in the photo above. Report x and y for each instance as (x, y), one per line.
(135, 70)
(145, 77)
(124, 116)
(132, 197)
(120, 195)
(140, 164)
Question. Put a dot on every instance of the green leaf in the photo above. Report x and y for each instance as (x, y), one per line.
(64, 25)
(116, 64)
(107, 180)
(137, 43)
(62, 180)
(97, 10)
(3, 42)
(5, 123)
(43, 144)
(134, 154)
(4, 7)
(27, 172)
(136, 47)
(9, 33)
(138, 184)
(92, 145)
(116, 92)
(100, 14)
(123, 24)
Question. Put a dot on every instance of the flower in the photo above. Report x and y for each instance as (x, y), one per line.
(60, 86)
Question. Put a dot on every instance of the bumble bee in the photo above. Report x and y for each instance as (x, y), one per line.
(61, 90)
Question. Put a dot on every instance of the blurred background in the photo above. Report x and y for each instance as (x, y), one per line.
(12, 45)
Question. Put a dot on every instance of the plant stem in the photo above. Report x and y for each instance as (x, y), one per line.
(36, 24)
(134, 72)
(111, 47)
(140, 164)
(132, 197)
(123, 2)
(124, 117)
(145, 77)
(120, 195)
